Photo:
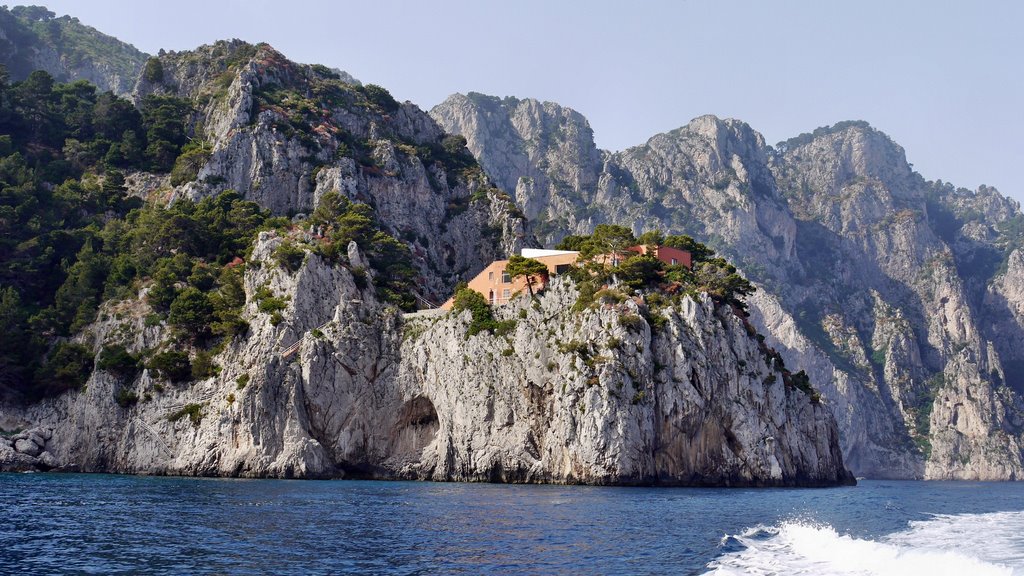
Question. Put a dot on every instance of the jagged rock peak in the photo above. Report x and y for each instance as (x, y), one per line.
(208, 71)
(525, 145)
(712, 143)
(849, 151)
(284, 135)
(721, 130)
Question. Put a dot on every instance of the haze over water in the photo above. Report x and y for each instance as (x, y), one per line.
(122, 524)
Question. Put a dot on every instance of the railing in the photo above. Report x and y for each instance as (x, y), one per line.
(155, 435)
(423, 300)
(294, 346)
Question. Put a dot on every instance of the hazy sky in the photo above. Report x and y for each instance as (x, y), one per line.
(943, 79)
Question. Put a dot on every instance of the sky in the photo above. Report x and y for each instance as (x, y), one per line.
(944, 79)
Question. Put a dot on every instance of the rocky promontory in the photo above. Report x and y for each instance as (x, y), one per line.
(602, 395)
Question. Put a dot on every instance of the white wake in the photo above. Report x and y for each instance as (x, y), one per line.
(963, 544)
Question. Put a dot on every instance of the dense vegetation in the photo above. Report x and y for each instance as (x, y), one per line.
(73, 238)
(602, 282)
(69, 235)
(482, 318)
(634, 271)
(339, 221)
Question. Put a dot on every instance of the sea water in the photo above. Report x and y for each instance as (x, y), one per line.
(96, 524)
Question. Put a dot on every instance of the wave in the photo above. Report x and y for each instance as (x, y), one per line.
(972, 544)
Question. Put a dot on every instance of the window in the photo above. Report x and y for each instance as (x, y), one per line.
(561, 268)
(674, 262)
(490, 297)
(505, 278)
(506, 294)
(490, 276)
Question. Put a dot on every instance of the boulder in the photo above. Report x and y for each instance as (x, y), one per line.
(28, 447)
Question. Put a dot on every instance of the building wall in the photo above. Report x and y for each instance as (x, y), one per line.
(499, 289)
(673, 256)
(670, 256)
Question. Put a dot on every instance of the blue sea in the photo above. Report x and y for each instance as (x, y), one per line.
(97, 524)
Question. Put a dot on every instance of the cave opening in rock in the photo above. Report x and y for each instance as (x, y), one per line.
(415, 428)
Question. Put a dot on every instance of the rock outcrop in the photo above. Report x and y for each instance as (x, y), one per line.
(599, 396)
(283, 134)
(898, 295)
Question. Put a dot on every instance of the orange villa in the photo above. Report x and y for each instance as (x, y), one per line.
(666, 254)
(495, 284)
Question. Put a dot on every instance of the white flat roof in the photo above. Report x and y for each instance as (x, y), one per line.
(538, 253)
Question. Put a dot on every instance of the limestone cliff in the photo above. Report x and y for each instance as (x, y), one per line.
(284, 134)
(898, 295)
(598, 396)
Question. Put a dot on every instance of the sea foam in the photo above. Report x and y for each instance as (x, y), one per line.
(972, 544)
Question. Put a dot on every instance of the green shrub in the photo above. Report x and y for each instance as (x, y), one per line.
(586, 296)
(609, 296)
(172, 365)
(631, 322)
(118, 360)
(126, 397)
(582, 349)
(380, 97)
(467, 299)
(289, 256)
(203, 366)
(193, 411)
(801, 381)
(191, 312)
(272, 304)
(267, 303)
(359, 277)
(504, 327)
(187, 165)
(67, 368)
(657, 321)
(154, 70)
(454, 144)
(241, 381)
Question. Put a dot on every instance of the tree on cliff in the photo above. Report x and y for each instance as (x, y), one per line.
(528, 268)
(606, 239)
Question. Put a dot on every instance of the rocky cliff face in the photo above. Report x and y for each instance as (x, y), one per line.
(284, 134)
(896, 294)
(597, 396)
(339, 383)
(32, 38)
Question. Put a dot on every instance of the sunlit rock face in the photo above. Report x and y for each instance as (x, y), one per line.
(900, 297)
(597, 396)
